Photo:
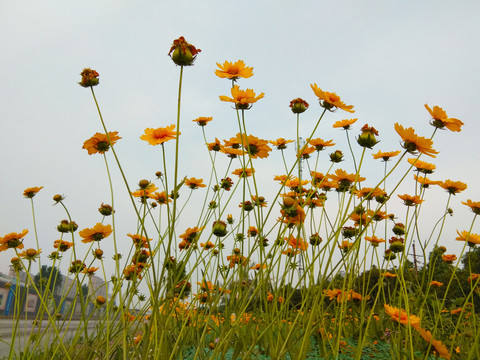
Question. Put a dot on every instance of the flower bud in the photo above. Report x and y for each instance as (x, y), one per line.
(143, 184)
(397, 247)
(67, 226)
(399, 229)
(336, 156)
(230, 219)
(105, 210)
(89, 78)
(57, 198)
(98, 254)
(367, 137)
(288, 202)
(183, 53)
(298, 106)
(100, 300)
(158, 174)
(219, 228)
(315, 239)
(389, 255)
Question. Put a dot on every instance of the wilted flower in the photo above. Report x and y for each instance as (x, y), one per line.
(89, 78)
(31, 192)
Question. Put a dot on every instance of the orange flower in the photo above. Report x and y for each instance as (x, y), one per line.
(183, 53)
(193, 183)
(145, 192)
(320, 144)
(270, 297)
(89, 78)
(297, 243)
(441, 120)
(369, 193)
(422, 166)
(424, 181)
(99, 142)
(389, 275)
(191, 234)
(160, 198)
(437, 344)
(243, 172)
(345, 180)
(280, 143)
(258, 267)
(345, 124)
(436, 283)
(385, 156)
(233, 71)
(160, 135)
(12, 240)
(410, 200)
(215, 146)
(413, 142)
(31, 192)
(402, 316)
(374, 240)
(472, 239)
(62, 245)
(242, 98)
(257, 148)
(473, 277)
(329, 100)
(345, 246)
(90, 271)
(140, 240)
(453, 187)
(202, 120)
(97, 233)
(305, 154)
(30, 254)
(474, 206)
(449, 258)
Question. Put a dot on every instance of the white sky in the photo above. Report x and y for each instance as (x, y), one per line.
(386, 58)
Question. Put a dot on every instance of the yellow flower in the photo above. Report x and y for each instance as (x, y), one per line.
(203, 120)
(374, 241)
(345, 124)
(412, 142)
(401, 316)
(453, 187)
(62, 245)
(256, 148)
(97, 233)
(31, 192)
(330, 100)
(472, 239)
(280, 143)
(320, 144)
(242, 98)
(233, 71)
(12, 240)
(437, 344)
(30, 254)
(243, 172)
(422, 166)
(160, 135)
(99, 143)
(425, 182)
(436, 283)
(385, 156)
(473, 205)
(441, 120)
(410, 200)
(193, 183)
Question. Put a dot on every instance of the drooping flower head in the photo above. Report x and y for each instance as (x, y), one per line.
(31, 192)
(243, 99)
(330, 101)
(234, 71)
(441, 120)
(89, 78)
(413, 143)
(160, 135)
(99, 143)
(183, 53)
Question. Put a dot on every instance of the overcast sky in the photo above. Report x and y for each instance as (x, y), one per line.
(387, 58)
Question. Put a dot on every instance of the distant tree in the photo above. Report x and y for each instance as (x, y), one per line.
(48, 276)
